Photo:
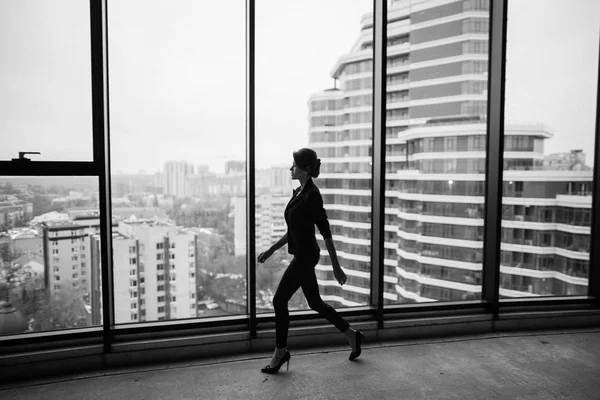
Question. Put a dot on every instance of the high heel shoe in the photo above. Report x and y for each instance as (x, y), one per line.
(355, 353)
(273, 370)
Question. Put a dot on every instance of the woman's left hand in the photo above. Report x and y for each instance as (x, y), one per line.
(340, 276)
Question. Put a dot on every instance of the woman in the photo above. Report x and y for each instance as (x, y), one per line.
(303, 212)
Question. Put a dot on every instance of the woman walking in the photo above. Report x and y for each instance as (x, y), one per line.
(303, 212)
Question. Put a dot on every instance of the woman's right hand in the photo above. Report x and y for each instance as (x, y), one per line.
(262, 257)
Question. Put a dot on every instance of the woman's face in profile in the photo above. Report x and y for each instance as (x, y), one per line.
(296, 172)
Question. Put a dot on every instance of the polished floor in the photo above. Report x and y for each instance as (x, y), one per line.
(528, 365)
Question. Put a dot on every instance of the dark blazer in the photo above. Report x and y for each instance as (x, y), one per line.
(302, 213)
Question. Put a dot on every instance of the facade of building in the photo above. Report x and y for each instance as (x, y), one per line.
(14, 212)
(235, 167)
(64, 247)
(571, 161)
(176, 178)
(154, 271)
(437, 58)
(274, 180)
(274, 188)
(228, 184)
(56, 250)
(158, 183)
(154, 275)
(238, 207)
(270, 222)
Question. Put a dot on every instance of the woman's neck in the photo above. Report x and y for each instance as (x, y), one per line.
(304, 182)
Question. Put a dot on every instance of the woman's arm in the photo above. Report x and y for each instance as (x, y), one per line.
(262, 257)
(279, 244)
(320, 217)
(339, 274)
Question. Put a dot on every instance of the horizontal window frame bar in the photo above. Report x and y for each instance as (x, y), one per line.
(179, 325)
(50, 168)
(177, 328)
(547, 301)
(308, 315)
(395, 309)
(51, 336)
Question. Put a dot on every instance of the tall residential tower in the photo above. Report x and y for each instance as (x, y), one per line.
(437, 59)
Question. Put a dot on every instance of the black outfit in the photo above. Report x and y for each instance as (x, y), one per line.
(303, 212)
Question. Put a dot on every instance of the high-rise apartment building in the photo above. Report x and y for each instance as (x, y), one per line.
(154, 264)
(270, 223)
(154, 271)
(176, 178)
(437, 58)
(274, 188)
(62, 243)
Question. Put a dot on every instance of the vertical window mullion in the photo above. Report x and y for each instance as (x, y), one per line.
(378, 187)
(594, 272)
(494, 152)
(250, 165)
(100, 127)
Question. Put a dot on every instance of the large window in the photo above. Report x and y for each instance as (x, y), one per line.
(142, 120)
(551, 77)
(45, 97)
(435, 151)
(313, 89)
(50, 270)
(177, 73)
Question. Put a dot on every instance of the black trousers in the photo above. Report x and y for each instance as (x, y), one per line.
(301, 273)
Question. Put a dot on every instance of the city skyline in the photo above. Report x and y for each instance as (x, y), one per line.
(156, 108)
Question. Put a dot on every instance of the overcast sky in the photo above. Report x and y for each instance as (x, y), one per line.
(177, 75)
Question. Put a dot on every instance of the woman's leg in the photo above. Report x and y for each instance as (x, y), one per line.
(310, 288)
(289, 284)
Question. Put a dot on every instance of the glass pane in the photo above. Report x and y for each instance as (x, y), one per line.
(178, 158)
(45, 100)
(50, 275)
(325, 60)
(551, 87)
(435, 150)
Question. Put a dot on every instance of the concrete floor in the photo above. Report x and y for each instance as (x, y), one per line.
(535, 365)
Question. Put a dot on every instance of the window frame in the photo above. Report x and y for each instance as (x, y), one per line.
(107, 333)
